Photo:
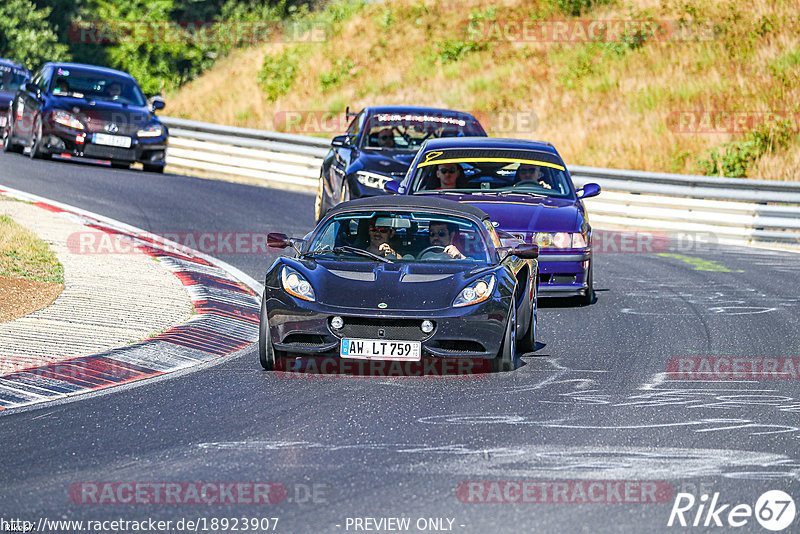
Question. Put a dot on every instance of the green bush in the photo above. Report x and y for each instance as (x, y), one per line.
(342, 70)
(576, 7)
(26, 36)
(278, 73)
(454, 49)
(736, 158)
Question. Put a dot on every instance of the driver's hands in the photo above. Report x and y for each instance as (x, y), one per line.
(387, 250)
(453, 252)
(545, 184)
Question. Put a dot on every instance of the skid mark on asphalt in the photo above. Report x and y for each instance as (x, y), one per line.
(552, 461)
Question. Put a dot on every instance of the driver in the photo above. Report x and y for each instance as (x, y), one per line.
(450, 176)
(386, 138)
(532, 173)
(379, 238)
(441, 235)
(114, 90)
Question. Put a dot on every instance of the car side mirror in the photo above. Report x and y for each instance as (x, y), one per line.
(392, 186)
(526, 251)
(276, 240)
(340, 141)
(155, 103)
(589, 190)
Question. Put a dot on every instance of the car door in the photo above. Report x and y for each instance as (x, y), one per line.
(31, 100)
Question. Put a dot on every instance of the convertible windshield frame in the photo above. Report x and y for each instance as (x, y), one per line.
(410, 235)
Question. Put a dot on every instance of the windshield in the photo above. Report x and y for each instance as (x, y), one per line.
(407, 131)
(492, 171)
(96, 86)
(400, 236)
(11, 78)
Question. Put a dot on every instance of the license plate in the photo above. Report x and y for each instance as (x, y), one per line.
(112, 140)
(381, 349)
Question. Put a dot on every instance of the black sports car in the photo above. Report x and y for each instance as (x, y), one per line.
(12, 76)
(399, 278)
(379, 145)
(84, 110)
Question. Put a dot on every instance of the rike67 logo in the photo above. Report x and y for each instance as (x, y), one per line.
(774, 510)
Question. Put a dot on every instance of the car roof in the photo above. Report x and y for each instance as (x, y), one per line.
(371, 110)
(12, 63)
(495, 143)
(409, 202)
(85, 66)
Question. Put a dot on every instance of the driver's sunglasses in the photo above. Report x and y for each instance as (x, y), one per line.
(448, 171)
(381, 229)
(440, 233)
(528, 171)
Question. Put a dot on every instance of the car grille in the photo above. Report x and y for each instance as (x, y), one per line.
(109, 152)
(394, 329)
(459, 347)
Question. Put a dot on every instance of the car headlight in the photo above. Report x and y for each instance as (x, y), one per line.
(295, 284)
(476, 292)
(559, 240)
(66, 118)
(371, 179)
(151, 130)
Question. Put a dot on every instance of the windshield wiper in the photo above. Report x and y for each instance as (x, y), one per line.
(347, 250)
(521, 192)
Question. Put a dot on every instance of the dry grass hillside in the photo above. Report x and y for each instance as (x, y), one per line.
(688, 86)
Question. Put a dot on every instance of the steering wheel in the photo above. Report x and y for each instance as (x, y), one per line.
(526, 182)
(433, 248)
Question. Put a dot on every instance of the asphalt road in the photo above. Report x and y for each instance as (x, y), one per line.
(593, 403)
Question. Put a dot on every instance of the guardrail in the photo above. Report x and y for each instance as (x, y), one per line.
(735, 210)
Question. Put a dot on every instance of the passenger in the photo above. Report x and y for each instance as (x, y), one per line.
(441, 235)
(114, 90)
(379, 241)
(450, 176)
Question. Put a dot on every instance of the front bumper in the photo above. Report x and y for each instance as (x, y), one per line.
(303, 327)
(64, 140)
(563, 273)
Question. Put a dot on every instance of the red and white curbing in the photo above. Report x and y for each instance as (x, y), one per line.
(226, 303)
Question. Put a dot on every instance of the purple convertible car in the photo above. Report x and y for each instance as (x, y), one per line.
(526, 189)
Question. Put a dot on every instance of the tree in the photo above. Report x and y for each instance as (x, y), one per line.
(25, 35)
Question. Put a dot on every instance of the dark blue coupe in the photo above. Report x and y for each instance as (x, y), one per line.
(12, 76)
(400, 278)
(527, 191)
(89, 111)
(378, 146)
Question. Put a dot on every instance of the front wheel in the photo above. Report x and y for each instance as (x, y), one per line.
(37, 148)
(528, 341)
(588, 298)
(8, 144)
(505, 357)
(159, 169)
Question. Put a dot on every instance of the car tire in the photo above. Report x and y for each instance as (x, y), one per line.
(320, 206)
(528, 341)
(505, 357)
(9, 145)
(589, 297)
(158, 169)
(36, 141)
(266, 352)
